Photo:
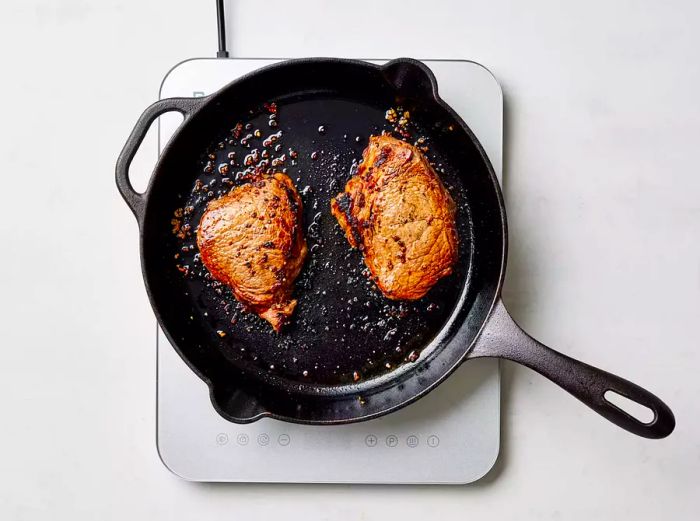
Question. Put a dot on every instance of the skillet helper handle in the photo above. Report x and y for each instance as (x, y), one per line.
(135, 200)
(503, 338)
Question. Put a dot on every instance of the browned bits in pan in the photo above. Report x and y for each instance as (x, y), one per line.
(317, 180)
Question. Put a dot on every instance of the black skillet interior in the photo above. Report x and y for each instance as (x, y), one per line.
(343, 328)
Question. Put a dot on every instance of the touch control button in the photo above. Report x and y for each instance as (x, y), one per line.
(392, 441)
(263, 439)
(433, 441)
(412, 441)
(222, 438)
(284, 439)
(370, 440)
(242, 439)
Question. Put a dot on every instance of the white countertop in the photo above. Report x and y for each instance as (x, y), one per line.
(603, 193)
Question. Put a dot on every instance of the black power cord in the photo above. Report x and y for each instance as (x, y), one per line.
(221, 22)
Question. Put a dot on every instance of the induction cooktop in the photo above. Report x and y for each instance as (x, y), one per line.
(451, 436)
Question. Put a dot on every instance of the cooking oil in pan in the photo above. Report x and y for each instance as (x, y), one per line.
(343, 329)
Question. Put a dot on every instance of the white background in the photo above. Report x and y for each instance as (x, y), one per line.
(603, 192)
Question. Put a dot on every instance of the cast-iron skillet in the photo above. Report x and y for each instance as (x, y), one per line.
(349, 354)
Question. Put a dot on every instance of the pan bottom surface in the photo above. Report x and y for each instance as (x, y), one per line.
(343, 328)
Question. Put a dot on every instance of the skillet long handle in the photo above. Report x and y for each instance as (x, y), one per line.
(135, 200)
(503, 338)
